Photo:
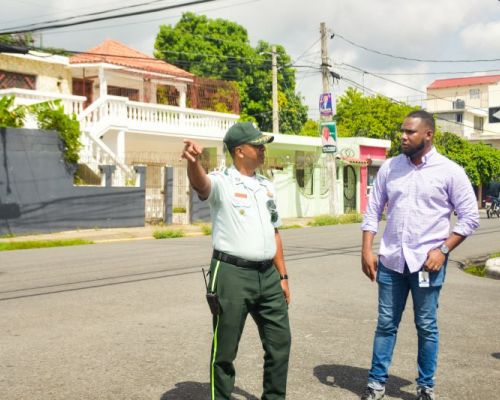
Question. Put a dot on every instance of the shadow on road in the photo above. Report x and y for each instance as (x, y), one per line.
(354, 380)
(200, 391)
(496, 355)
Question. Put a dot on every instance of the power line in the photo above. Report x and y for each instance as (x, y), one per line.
(409, 87)
(356, 84)
(335, 34)
(63, 25)
(148, 21)
(85, 15)
(340, 65)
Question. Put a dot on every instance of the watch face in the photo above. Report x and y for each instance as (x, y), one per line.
(444, 249)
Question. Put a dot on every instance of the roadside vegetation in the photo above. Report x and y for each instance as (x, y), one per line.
(294, 226)
(37, 244)
(479, 270)
(168, 233)
(323, 220)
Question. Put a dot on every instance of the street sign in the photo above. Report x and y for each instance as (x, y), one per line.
(494, 115)
(328, 133)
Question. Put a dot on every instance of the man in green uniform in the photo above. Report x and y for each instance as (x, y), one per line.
(247, 271)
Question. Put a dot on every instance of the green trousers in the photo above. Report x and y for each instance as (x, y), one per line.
(244, 291)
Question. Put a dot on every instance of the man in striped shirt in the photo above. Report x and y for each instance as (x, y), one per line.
(421, 188)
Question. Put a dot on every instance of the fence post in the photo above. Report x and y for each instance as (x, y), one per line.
(107, 172)
(168, 190)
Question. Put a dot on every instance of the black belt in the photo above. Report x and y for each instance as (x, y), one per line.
(241, 262)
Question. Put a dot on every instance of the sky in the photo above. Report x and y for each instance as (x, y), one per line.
(419, 29)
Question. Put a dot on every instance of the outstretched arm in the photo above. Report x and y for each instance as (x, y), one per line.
(196, 173)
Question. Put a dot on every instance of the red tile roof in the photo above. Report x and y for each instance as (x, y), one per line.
(114, 52)
(466, 81)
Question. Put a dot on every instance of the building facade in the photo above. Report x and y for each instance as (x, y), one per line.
(468, 107)
(136, 110)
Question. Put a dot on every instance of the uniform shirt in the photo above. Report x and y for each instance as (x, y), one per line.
(244, 215)
(420, 200)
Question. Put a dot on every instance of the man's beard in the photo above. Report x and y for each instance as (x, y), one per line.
(412, 151)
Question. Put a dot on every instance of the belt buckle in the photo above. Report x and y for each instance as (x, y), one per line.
(264, 265)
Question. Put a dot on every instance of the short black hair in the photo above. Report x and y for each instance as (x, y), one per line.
(426, 117)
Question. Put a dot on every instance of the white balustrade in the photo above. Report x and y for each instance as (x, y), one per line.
(119, 112)
(72, 104)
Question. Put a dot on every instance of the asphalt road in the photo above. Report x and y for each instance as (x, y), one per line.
(129, 321)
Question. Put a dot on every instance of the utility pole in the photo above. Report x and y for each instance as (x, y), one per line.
(276, 123)
(325, 72)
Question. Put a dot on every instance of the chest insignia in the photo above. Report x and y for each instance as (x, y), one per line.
(240, 195)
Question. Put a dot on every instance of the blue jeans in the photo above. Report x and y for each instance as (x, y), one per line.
(393, 293)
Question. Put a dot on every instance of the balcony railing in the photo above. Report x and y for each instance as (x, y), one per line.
(72, 104)
(131, 115)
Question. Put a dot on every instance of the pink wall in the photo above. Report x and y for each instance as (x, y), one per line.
(365, 153)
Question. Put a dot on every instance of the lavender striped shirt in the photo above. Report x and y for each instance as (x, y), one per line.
(420, 200)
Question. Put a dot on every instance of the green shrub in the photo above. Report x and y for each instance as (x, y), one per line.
(11, 116)
(168, 234)
(50, 115)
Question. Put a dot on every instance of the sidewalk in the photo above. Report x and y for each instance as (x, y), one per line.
(122, 234)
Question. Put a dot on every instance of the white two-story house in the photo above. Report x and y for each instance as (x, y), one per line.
(134, 109)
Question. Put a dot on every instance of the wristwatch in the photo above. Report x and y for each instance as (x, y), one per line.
(444, 249)
(285, 276)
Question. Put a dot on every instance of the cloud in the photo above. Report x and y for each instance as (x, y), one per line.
(482, 39)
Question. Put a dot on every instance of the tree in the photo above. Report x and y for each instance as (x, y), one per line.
(376, 117)
(480, 161)
(220, 49)
(379, 117)
(310, 128)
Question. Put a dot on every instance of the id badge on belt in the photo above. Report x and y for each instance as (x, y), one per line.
(423, 279)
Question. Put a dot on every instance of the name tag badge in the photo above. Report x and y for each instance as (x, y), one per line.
(423, 279)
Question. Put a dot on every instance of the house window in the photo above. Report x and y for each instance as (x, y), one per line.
(15, 80)
(478, 123)
(459, 117)
(132, 94)
(475, 93)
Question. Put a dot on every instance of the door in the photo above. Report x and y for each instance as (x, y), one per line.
(349, 189)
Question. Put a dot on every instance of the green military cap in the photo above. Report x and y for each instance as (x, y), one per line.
(245, 132)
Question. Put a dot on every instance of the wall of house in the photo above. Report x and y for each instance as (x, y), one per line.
(51, 77)
(37, 192)
(492, 129)
(441, 99)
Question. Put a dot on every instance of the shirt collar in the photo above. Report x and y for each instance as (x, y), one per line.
(250, 182)
(425, 158)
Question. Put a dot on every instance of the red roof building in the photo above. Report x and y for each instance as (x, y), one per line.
(465, 81)
(114, 52)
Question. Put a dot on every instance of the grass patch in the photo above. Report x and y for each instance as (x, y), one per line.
(179, 210)
(37, 244)
(295, 226)
(477, 270)
(206, 229)
(168, 234)
(494, 255)
(323, 220)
